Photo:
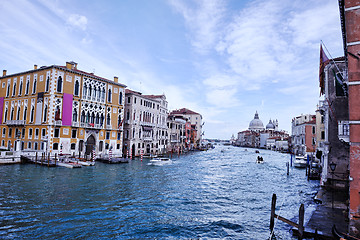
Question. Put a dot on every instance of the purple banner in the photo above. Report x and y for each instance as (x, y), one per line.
(67, 109)
(1, 109)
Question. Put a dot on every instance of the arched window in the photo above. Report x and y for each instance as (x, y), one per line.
(94, 94)
(108, 119)
(76, 90)
(18, 114)
(25, 113)
(120, 98)
(92, 119)
(75, 116)
(85, 90)
(90, 91)
(27, 87)
(82, 119)
(34, 86)
(97, 119)
(102, 119)
(47, 84)
(45, 113)
(5, 115)
(8, 90)
(119, 120)
(12, 114)
(20, 88)
(87, 117)
(59, 84)
(109, 95)
(14, 90)
(98, 94)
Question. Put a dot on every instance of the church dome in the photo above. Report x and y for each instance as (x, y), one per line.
(256, 124)
(270, 126)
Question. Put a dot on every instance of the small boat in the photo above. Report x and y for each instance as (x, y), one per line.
(257, 151)
(300, 162)
(160, 161)
(341, 236)
(259, 159)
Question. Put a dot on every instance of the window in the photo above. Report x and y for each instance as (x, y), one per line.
(25, 113)
(108, 120)
(4, 132)
(20, 87)
(27, 86)
(135, 100)
(45, 113)
(106, 146)
(313, 130)
(37, 133)
(59, 84)
(313, 141)
(8, 90)
(36, 146)
(55, 146)
(10, 133)
(23, 133)
(43, 132)
(47, 84)
(73, 146)
(57, 132)
(346, 129)
(75, 116)
(34, 85)
(101, 146)
(118, 146)
(340, 86)
(76, 90)
(109, 95)
(30, 133)
(107, 135)
(129, 100)
(73, 133)
(29, 145)
(322, 135)
(18, 113)
(14, 89)
(118, 136)
(32, 114)
(120, 98)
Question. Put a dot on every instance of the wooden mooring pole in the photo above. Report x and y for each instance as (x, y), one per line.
(48, 160)
(299, 226)
(287, 167)
(272, 215)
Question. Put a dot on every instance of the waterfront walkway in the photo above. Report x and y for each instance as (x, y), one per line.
(331, 211)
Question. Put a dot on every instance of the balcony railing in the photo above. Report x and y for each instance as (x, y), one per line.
(58, 122)
(75, 124)
(15, 122)
(108, 126)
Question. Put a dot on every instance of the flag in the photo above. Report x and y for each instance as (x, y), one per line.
(323, 61)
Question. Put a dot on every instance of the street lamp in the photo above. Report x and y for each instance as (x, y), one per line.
(332, 167)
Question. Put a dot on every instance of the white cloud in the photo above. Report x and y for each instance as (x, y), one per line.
(77, 21)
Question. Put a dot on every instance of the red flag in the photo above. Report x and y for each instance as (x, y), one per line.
(323, 60)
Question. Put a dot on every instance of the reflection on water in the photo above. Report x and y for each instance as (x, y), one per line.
(221, 193)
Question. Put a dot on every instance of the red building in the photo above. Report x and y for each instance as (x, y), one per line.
(350, 21)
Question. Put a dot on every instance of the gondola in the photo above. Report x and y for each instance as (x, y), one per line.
(341, 236)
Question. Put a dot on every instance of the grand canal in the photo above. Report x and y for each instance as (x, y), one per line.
(217, 194)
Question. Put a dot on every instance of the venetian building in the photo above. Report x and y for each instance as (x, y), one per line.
(60, 109)
(145, 128)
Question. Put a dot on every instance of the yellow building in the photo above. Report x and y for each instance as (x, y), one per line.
(61, 109)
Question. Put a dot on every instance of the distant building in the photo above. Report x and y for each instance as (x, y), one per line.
(196, 124)
(303, 130)
(257, 136)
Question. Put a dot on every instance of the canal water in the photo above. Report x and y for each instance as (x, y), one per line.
(218, 194)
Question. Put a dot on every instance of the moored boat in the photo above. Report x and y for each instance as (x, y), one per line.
(300, 162)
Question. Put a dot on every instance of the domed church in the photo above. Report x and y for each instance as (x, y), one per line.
(256, 124)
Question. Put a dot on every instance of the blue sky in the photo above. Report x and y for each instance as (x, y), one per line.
(223, 59)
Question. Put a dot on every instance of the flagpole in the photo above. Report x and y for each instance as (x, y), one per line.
(333, 60)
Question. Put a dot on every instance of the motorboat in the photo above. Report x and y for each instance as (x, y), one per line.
(300, 162)
(259, 159)
(160, 161)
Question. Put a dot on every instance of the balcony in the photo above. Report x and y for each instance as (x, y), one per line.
(147, 139)
(58, 122)
(75, 124)
(15, 122)
(108, 126)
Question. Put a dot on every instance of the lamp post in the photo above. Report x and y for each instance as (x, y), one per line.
(332, 167)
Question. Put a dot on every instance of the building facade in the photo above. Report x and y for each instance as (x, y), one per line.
(145, 127)
(60, 109)
(196, 125)
(303, 131)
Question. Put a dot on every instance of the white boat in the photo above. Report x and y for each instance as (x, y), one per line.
(160, 161)
(300, 162)
(259, 160)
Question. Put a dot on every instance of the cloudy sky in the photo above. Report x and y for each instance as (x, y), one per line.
(225, 59)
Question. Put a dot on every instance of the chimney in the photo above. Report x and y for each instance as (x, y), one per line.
(35, 66)
(4, 73)
(116, 79)
(71, 65)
